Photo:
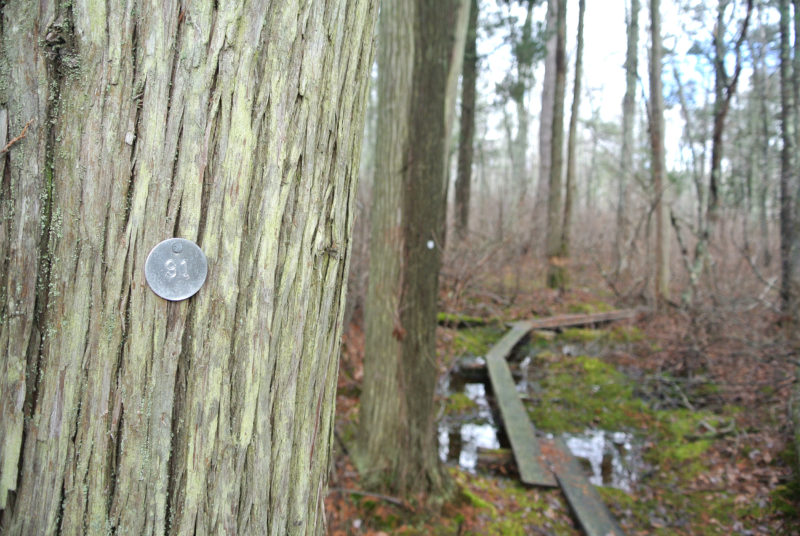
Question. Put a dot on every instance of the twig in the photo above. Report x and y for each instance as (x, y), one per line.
(15, 140)
(387, 498)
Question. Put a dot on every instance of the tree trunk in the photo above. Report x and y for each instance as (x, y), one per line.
(626, 157)
(657, 149)
(237, 127)
(573, 133)
(556, 273)
(466, 142)
(524, 55)
(787, 162)
(724, 90)
(419, 47)
(761, 126)
(794, 272)
(546, 116)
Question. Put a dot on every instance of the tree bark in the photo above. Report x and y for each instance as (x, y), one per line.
(546, 116)
(569, 189)
(794, 249)
(657, 151)
(466, 147)
(787, 203)
(524, 51)
(419, 48)
(556, 273)
(236, 126)
(724, 90)
(626, 156)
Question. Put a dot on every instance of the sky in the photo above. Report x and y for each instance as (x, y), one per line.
(603, 61)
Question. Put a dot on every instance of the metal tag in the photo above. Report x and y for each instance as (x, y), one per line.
(176, 269)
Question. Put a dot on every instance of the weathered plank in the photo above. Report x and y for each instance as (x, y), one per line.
(572, 320)
(589, 509)
(518, 426)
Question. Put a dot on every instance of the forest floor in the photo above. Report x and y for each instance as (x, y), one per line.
(681, 418)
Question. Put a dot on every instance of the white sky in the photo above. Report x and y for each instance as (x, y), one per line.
(603, 61)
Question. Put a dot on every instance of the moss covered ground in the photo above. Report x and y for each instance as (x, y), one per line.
(710, 460)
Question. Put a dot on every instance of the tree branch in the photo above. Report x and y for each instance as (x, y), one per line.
(15, 140)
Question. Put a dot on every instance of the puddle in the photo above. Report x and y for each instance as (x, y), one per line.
(460, 436)
(609, 458)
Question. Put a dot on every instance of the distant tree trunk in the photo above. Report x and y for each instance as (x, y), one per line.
(657, 149)
(761, 125)
(626, 157)
(381, 393)
(556, 272)
(546, 115)
(787, 233)
(238, 127)
(466, 141)
(724, 90)
(794, 273)
(573, 133)
(524, 55)
(418, 50)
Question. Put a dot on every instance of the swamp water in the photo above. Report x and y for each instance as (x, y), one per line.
(610, 458)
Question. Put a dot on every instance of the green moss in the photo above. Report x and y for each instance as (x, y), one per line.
(708, 513)
(477, 502)
(681, 445)
(583, 392)
(582, 335)
(785, 498)
(509, 508)
(458, 319)
(459, 403)
(691, 450)
(476, 341)
(591, 307)
(625, 334)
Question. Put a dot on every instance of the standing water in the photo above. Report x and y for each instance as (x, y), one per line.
(610, 458)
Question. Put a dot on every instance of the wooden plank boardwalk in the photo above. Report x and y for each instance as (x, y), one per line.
(519, 429)
(574, 320)
(583, 499)
(547, 463)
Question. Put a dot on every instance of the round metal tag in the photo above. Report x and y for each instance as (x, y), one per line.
(176, 269)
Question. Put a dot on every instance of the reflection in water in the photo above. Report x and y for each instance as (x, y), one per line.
(460, 438)
(611, 457)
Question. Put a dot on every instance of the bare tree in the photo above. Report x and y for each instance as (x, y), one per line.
(573, 133)
(657, 166)
(546, 113)
(626, 156)
(556, 273)
(466, 147)
(787, 229)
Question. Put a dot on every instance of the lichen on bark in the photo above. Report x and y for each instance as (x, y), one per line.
(233, 125)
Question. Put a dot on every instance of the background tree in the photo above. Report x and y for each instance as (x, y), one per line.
(794, 272)
(787, 161)
(656, 123)
(569, 188)
(124, 413)
(724, 89)
(555, 266)
(420, 43)
(526, 49)
(626, 151)
(546, 114)
(466, 147)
